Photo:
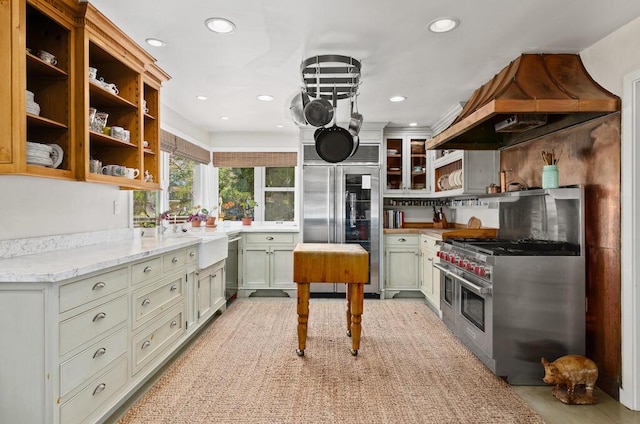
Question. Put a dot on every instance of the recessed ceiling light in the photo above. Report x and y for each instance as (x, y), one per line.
(443, 24)
(279, 126)
(225, 118)
(155, 42)
(413, 124)
(265, 97)
(220, 25)
(397, 99)
(201, 97)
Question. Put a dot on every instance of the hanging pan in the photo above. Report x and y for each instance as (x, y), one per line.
(334, 144)
(319, 112)
(298, 103)
(356, 118)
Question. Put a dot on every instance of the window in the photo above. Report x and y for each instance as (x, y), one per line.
(145, 208)
(272, 188)
(181, 183)
(279, 193)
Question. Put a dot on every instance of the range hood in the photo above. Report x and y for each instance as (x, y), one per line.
(535, 95)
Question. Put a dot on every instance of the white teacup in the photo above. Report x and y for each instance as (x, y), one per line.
(132, 173)
(47, 57)
(93, 72)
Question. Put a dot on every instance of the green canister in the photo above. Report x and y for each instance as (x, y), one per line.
(550, 176)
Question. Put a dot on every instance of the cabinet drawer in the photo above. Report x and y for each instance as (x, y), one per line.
(151, 341)
(192, 254)
(143, 271)
(269, 238)
(428, 242)
(91, 360)
(402, 240)
(95, 394)
(154, 299)
(174, 260)
(92, 288)
(83, 327)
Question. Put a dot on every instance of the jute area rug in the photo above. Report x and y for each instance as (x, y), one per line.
(410, 369)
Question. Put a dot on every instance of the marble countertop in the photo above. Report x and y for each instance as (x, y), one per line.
(63, 264)
(58, 264)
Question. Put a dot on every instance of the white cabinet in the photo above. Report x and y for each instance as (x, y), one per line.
(401, 260)
(406, 164)
(210, 293)
(73, 349)
(267, 263)
(460, 172)
(429, 275)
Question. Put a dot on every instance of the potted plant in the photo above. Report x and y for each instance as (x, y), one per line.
(197, 215)
(247, 210)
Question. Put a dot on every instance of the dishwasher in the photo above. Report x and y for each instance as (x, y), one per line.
(231, 290)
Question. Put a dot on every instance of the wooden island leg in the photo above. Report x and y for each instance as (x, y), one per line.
(357, 306)
(348, 309)
(303, 316)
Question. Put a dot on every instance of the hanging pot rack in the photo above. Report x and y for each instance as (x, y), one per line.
(331, 76)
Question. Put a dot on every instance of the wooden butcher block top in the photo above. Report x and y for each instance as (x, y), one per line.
(330, 263)
(443, 233)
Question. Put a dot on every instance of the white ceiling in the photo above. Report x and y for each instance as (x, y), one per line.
(398, 54)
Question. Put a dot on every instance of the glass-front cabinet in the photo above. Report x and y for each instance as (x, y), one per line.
(406, 165)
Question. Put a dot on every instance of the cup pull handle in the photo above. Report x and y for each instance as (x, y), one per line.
(99, 352)
(146, 269)
(99, 286)
(99, 316)
(146, 344)
(173, 288)
(174, 260)
(402, 240)
(173, 323)
(269, 238)
(192, 254)
(146, 302)
(99, 388)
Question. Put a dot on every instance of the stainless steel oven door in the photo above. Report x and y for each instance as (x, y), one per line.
(472, 310)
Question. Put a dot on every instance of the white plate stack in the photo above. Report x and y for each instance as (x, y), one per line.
(32, 107)
(49, 155)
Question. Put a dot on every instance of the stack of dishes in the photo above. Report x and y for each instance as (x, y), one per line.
(49, 155)
(32, 107)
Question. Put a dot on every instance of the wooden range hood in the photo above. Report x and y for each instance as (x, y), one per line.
(534, 95)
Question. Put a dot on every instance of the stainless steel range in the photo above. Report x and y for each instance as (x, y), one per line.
(520, 297)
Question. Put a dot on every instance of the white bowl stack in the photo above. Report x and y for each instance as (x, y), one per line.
(32, 107)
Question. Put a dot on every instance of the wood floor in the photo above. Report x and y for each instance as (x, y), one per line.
(606, 411)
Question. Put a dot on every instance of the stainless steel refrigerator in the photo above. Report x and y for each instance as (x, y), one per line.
(341, 204)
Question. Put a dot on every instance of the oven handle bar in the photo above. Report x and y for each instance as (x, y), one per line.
(473, 287)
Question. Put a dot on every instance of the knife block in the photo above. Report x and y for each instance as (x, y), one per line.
(442, 223)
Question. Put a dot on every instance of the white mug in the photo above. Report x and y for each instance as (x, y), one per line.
(115, 170)
(132, 173)
(93, 72)
(47, 57)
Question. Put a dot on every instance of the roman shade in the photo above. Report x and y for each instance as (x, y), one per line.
(253, 159)
(179, 146)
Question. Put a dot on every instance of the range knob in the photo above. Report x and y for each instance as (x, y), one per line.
(452, 259)
(483, 272)
(468, 266)
(487, 272)
(476, 269)
(461, 262)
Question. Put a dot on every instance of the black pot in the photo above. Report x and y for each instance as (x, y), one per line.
(334, 144)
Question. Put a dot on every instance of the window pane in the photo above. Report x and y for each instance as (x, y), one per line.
(279, 206)
(235, 187)
(280, 177)
(181, 172)
(145, 208)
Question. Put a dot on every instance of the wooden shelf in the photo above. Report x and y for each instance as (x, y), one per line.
(37, 66)
(39, 121)
(106, 140)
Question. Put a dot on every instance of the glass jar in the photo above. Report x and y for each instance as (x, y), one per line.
(550, 176)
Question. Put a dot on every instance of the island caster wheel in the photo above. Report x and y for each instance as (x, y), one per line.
(299, 352)
(348, 333)
(354, 352)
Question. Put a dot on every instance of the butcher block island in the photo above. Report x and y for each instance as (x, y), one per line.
(331, 263)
